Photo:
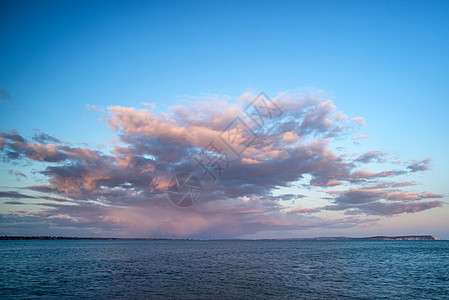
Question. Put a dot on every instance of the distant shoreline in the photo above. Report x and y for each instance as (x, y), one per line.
(372, 238)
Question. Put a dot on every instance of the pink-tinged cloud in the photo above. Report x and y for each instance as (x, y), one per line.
(431, 195)
(302, 210)
(354, 195)
(359, 120)
(334, 183)
(389, 209)
(360, 136)
(363, 174)
(290, 137)
(381, 202)
(124, 190)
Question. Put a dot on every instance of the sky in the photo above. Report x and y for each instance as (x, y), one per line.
(297, 118)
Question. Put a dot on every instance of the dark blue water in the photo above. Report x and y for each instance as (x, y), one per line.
(224, 269)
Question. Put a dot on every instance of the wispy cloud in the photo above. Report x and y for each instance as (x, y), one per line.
(13, 195)
(4, 95)
(382, 202)
(44, 138)
(93, 107)
(422, 165)
(17, 175)
(360, 136)
(359, 120)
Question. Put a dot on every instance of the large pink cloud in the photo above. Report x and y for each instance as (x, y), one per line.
(124, 190)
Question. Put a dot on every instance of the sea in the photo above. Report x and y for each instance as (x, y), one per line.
(225, 269)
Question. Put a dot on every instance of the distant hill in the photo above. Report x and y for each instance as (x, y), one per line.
(403, 238)
(371, 238)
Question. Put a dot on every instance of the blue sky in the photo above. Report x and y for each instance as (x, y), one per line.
(385, 61)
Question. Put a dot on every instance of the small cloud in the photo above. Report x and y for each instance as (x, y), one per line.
(284, 197)
(18, 175)
(371, 156)
(334, 183)
(94, 108)
(431, 195)
(302, 210)
(339, 116)
(290, 137)
(151, 105)
(13, 135)
(4, 95)
(422, 165)
(359, 120)
(44, 138)
(360, 136)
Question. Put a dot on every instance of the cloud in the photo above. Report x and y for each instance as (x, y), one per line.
(290, 137)
(422, 165)
(371, 156)
(54, 198)
(364, 174)
(4, 95)
(360, 136)
(94, 108)
(13, 135)
(18, 175)
(41, 188)
(44, 138)
(356, 196)
(12, 194)
(359, 120)
(151, 105)
(389, 209)
(318, 119)
(124, 190)
(302, 210)
(374, 201)
(388, 184)
(431, 195)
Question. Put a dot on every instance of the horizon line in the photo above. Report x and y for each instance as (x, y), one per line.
(376, 237)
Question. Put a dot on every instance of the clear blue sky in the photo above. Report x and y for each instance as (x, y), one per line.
(386, 61)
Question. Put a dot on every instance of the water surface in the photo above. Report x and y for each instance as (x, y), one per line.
(224, 269)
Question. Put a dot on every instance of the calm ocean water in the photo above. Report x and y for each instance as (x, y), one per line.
(224, 269)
